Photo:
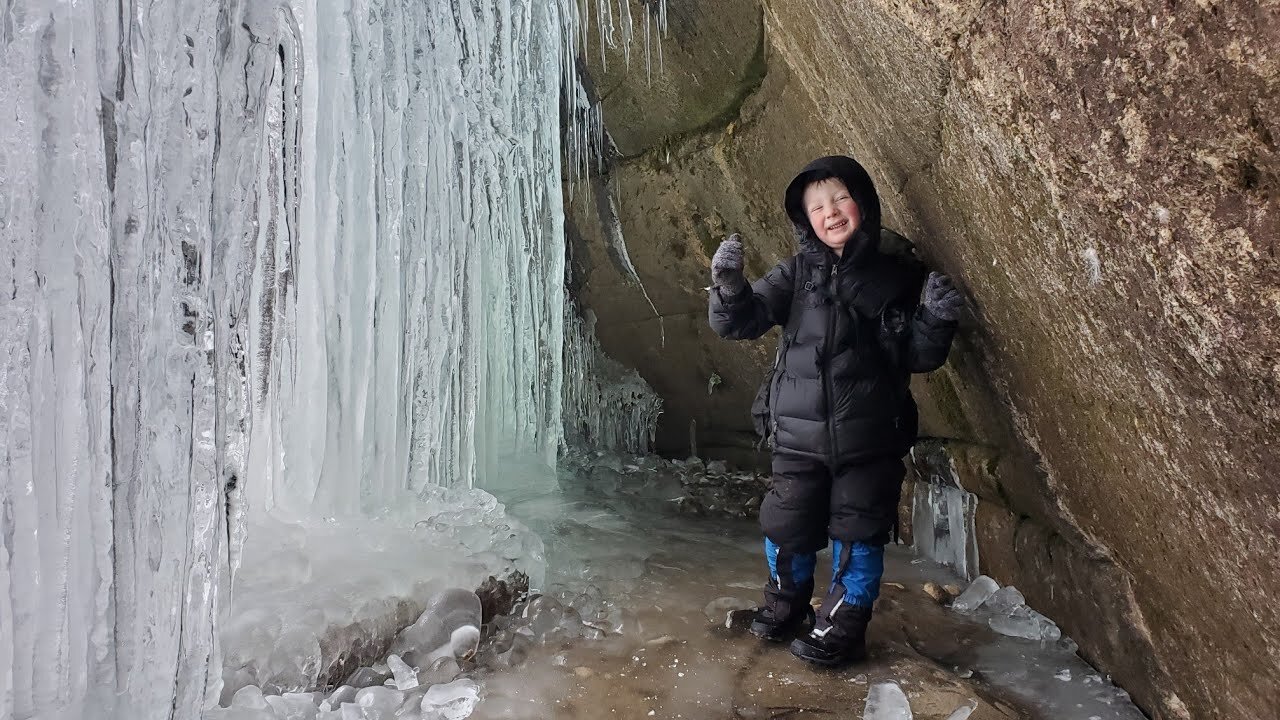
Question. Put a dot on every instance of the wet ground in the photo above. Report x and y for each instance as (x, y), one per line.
(658, 570)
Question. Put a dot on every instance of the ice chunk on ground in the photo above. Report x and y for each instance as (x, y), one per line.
(381, 700)
(344, 694)
(1025, 623)
(1005, 600)
(453, 701)
(717, 610)
(886, 701)
(294, 706)
(977, 593)
(249, 697)
(441, 671)
(406, 678)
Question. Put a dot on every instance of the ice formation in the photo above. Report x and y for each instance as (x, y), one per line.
(976, 594)
(942, 517)
(266, 261)
(886, 701)
(606, 406)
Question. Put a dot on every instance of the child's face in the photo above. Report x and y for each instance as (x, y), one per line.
(832, 213)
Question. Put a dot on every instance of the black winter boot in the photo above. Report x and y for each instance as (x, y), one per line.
(785, 612)
(839, 636)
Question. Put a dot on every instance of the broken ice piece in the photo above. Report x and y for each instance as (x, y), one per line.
(977, 593)
(344, 694)
(292, 706)
(249, 696)
(453, 701)
(1063, 675)
(1005, 600)
(379, 699)
(1026, 623)
(406, 677)
(886, 701)
(442, 670)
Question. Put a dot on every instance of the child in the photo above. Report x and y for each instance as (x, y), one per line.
(840, 415)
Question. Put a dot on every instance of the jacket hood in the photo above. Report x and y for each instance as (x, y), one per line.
(855, 178)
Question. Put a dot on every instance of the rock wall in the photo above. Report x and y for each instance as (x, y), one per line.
(1101, 177)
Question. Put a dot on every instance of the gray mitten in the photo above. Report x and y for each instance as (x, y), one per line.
(726, 267)
(941, 298)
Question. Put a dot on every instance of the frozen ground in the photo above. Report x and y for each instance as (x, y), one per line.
(625, 629)
(306, 588)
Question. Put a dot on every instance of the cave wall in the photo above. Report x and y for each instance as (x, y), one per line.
(1101, 178)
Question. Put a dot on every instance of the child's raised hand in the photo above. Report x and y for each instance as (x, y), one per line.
(726, 267)
(941, 297)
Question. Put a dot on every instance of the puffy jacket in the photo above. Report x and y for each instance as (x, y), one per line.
(853, 332)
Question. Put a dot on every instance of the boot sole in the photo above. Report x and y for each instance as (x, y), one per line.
(814, 656)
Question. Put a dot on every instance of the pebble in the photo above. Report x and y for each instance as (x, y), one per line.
(935, 591)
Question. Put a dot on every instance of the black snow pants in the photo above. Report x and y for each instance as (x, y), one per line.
(810, 502)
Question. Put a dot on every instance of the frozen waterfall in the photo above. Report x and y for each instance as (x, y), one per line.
(259, 256)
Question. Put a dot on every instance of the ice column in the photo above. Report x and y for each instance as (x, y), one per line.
(942, 512)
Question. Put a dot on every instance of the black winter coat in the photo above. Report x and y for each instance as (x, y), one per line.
(853, 332)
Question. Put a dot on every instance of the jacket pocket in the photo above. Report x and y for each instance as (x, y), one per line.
(762, 412)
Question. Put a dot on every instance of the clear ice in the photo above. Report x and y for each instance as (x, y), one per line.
(942, 523)
(886, 701)
(975, 595)
(267, 264)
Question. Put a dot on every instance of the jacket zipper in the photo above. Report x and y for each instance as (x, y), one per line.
(828, 386)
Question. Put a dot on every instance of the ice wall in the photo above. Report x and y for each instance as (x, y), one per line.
(607, 407)
(256, 254)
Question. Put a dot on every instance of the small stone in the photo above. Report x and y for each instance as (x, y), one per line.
(951, 589)
(896, 586)
(935, 591)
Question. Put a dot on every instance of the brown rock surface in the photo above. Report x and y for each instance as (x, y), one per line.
(1102, 179)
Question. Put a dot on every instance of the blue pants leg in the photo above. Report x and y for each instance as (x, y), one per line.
(857, 567)
(796, 568)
